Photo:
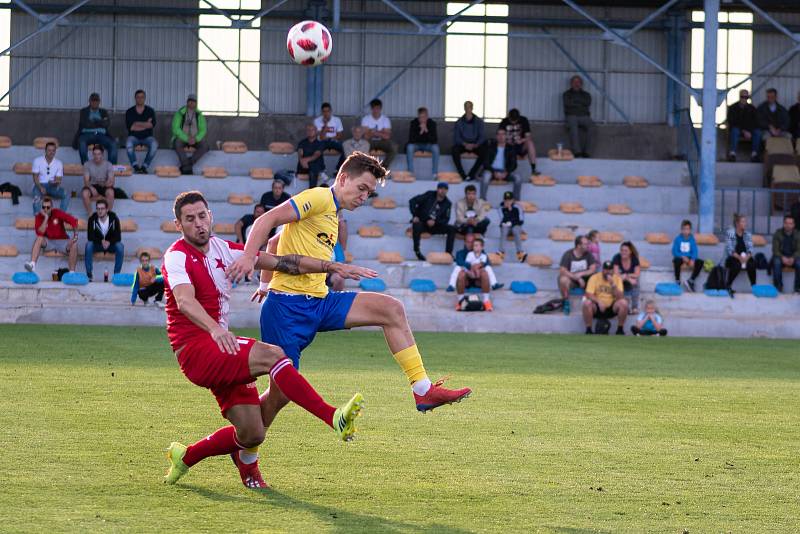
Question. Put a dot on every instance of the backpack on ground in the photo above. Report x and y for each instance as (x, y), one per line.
(471, 303)
(717, 278)
(602, 326)
(549, 306)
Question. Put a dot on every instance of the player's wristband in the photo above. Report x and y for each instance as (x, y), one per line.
(263, 287)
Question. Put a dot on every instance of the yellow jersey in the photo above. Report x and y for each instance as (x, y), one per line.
(604, 289)
(314, 234)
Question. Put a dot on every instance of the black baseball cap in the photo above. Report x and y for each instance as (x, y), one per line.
(441, 185)
(94, 96)
(508, 195)
(608, 266)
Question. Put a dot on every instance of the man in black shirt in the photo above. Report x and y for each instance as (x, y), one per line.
(773, 118)
(309, 156)
(276, 197)
(743, 122)
(518, 132)
(577, 104)
(786, 253)
(140, 121)
(422, 136)
(246, 222)
(430, 212)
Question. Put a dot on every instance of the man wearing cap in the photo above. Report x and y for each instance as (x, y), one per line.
(189, 134)
(511, 225)
(430, 212)
(604, 298)
(93, 129)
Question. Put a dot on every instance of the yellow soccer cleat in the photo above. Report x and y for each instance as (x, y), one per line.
(344, 417)
(177, 469)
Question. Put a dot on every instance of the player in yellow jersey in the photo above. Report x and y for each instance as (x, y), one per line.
(299, 305)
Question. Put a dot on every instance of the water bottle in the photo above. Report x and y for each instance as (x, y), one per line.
(105, 275)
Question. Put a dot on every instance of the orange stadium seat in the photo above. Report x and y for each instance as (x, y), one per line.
(390, 257)
(657, 238)
(422, 154)
(144, 196)
(610, 237)
(24, 223)
(128, 225)
(635, 181)
(706, 239)
(758, 240)
(8, 251)
(439, 258)
(23, 168)
(571, 207)
(215, 172)
(566, 155)
(561, 234)
(280, 147)
(234, 147)
(73, 169)
(169, 227)
(384, 203)
(495, 259)
(423, 235)
(523, 236)
(619, 209)
(527, 207)
(402, 177)
(224, 228)
(370, 231)
(589, 181)
(5, 141)
(167, 171)
(261, 173)
(233, 198)
(449, 177)
(539, 260)
(543, 180)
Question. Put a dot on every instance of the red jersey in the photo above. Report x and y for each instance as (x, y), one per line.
(55, 224)
(184, 264)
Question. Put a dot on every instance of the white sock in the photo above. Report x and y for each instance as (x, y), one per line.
(421, 387)
(248, 457)
(485, 297)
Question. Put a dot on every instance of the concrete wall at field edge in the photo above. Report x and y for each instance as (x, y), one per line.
(613, 141)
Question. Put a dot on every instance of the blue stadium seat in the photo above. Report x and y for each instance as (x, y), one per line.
(25, 277)
(422, 285)
(523, 287)
(372, 284)
(716, 293)
(122, 279)
(75, 279)
(765, 291)
(669, 289)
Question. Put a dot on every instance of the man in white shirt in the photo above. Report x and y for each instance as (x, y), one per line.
(378, 131)
(330, 131)
(47, 174)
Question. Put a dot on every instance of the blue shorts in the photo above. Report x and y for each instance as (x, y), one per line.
(292, 321)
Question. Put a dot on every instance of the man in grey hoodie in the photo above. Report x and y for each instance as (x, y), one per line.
(467, 137)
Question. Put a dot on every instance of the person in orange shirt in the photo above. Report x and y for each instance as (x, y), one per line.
(147, 282)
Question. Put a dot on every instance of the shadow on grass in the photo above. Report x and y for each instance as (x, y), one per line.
(336, 519)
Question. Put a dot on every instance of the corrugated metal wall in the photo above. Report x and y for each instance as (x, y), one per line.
(766, 47)
(111, 62)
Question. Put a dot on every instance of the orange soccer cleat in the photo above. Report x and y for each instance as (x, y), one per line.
(439, 396)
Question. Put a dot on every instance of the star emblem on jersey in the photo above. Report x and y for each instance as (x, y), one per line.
(220, 265)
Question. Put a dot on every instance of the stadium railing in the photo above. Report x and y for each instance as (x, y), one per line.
(689, 145)
(757, 203)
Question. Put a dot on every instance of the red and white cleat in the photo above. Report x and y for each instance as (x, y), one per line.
(251, 476)
(439, 396)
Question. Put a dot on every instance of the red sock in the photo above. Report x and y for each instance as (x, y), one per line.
(223, 441)
(299, 391)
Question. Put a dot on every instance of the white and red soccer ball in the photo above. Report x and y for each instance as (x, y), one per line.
(309, 43)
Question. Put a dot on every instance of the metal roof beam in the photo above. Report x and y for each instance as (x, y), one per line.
(49, 25)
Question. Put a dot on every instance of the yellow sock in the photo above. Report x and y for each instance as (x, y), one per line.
(410, 362)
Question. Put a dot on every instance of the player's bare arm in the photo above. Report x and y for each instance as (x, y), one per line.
(259, 234)
(193, 310)
(299, 264)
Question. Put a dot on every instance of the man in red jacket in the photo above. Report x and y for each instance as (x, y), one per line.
(51, 233)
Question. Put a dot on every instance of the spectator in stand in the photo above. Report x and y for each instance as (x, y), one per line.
(605, 299)
(357, 143)
(474, 275)
(147, 282)
(461, 264)
(472, 213)
(684, 252)
(743, 122)
(140, 121)
(511, 223)
(48, 171)
(93, 128)
(739, 252)
(649, 322)
(422, 136)
(242, 226)
(468, 137)
(499, 163)
(309, 157)
(577, 104)
(594, 245)
(430, 212)
(98, 180)
(786, 253)
(519, 137)
(626, 266)
(103, 234)
(794, 119)
(378, 131)
(576, 267)
(276, 197)
(773, 119)
(51, 233)
(331, 132)
(189, 130)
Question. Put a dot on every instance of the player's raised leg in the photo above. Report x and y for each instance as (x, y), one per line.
(376, 309)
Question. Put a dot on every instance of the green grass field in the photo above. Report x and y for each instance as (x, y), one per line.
(564, 434)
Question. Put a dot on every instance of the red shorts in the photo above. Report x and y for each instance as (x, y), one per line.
(227, 376)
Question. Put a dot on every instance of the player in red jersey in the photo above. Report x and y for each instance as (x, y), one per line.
(211, 356)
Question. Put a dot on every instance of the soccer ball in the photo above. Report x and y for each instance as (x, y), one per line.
(309, 43)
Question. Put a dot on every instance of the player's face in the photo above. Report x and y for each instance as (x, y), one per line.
(195, 224)
(355, 190)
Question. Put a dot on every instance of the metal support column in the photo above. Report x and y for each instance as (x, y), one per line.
(708, 143)
(674, 65)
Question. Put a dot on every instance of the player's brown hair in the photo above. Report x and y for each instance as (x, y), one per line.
(187, 197)
(358, 163)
